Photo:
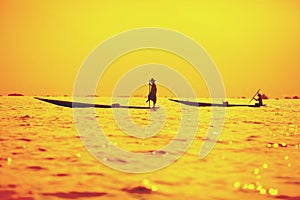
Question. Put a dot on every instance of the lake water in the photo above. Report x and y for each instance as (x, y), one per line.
(256, 157)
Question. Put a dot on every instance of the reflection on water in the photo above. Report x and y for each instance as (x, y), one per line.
(42, 157)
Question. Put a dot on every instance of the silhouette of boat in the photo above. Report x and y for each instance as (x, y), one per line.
(202, 104)
(70, 104)
(15, 95)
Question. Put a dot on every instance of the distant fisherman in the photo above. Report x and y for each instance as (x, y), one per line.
(152, 92)
(259, 99)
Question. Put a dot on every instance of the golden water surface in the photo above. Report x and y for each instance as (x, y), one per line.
(256, 157)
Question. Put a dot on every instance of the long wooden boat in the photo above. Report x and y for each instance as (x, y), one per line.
(71, 104)
(202, 104)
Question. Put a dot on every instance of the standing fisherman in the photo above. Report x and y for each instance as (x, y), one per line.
(152, 92)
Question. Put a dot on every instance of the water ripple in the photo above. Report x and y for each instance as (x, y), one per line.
(75, 195)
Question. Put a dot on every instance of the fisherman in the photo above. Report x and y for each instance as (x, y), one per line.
(152, 91)
(259, 99)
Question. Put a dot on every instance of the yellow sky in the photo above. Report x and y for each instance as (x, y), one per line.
(255, 44)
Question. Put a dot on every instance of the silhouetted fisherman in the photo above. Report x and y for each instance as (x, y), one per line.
(259, 99)
(152, 92)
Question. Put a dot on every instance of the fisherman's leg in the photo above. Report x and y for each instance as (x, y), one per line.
(154, 102)
(148, 98)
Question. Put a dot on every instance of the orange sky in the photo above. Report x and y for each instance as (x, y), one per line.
(254, 45)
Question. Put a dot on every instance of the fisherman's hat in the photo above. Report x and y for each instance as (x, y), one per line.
(152, 80)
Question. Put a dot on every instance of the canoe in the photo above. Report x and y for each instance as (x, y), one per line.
(70, 104)
(201, 104)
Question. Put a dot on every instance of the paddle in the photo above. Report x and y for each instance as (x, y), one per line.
(254, 95)
(149, 94)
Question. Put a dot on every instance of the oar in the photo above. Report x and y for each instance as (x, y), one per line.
(149, 94)
(254, 95)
